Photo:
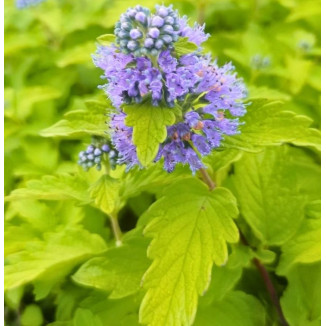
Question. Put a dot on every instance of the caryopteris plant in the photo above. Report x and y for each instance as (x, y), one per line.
(205, 188)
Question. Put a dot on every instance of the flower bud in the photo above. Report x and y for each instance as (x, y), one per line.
(135, 33)
(131, 13)
(157, 21)
(162, 11)
(97, 152)
(167, 39)
(168, 29)
(159, 44)
(154, 52)
(154, 32)
(149, 42)
(132, 45)
(169, 20)
(105, 148)
(125, 26)
(141, 17)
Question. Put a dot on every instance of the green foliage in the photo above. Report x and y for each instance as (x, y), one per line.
(32, 316)
(149, 128)
(268, 192)
(119, 271)
(183, 46)
(60, 187)
(84, 317)
(301, 299)
(106, 194)
(106, 39)
(62, 265)
(190, 226)
(304, 246)
(79, 123)
(40, 256)
(266, 123)
(236, 309)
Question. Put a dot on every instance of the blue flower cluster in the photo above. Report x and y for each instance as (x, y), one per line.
(94, 156)
(210, 96)
(21, 4)
(140, 33)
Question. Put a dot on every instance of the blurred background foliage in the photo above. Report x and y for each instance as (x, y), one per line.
(275, 46)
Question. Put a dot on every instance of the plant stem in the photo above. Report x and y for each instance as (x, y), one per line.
(113, 217)
(116, 230)
(271, 290)
(261, 268)
(208, 180)
(201, 12)
(268, 284)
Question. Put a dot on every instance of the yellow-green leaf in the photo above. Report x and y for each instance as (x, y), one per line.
(106, 39)
(105, 193)
(149, 128)
(190, 226)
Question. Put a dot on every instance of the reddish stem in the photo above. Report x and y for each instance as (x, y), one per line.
(261, 268)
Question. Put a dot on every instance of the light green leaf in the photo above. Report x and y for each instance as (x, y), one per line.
(152, 179)
(313, 209)
(297, 81)
(27, 98)
(269, 195)
(80, 54)
(56, 254)
(220, 163)
(183, 46)
(106, 39)
(301, 299)
(236, 309)
(32, 316)
(105, 192)
(84, 317)
(13, 297)
(190, 226)
(61, 187)
(149, 128)
(22, 235)
(119, 271)
(266, 124)
(224, 278)
(79, 123)
(304, 247)
(115, 311)
(265, 255)
(263, 92)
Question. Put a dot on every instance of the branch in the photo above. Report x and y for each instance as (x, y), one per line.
(208, 180)
(271, 290)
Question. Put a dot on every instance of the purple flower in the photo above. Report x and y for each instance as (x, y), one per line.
(209, 97)
(121, 136)
(21, 4)
(167, 62)
(195, 34)
(176, 150)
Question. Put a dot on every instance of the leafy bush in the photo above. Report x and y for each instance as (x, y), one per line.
(235, 244)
